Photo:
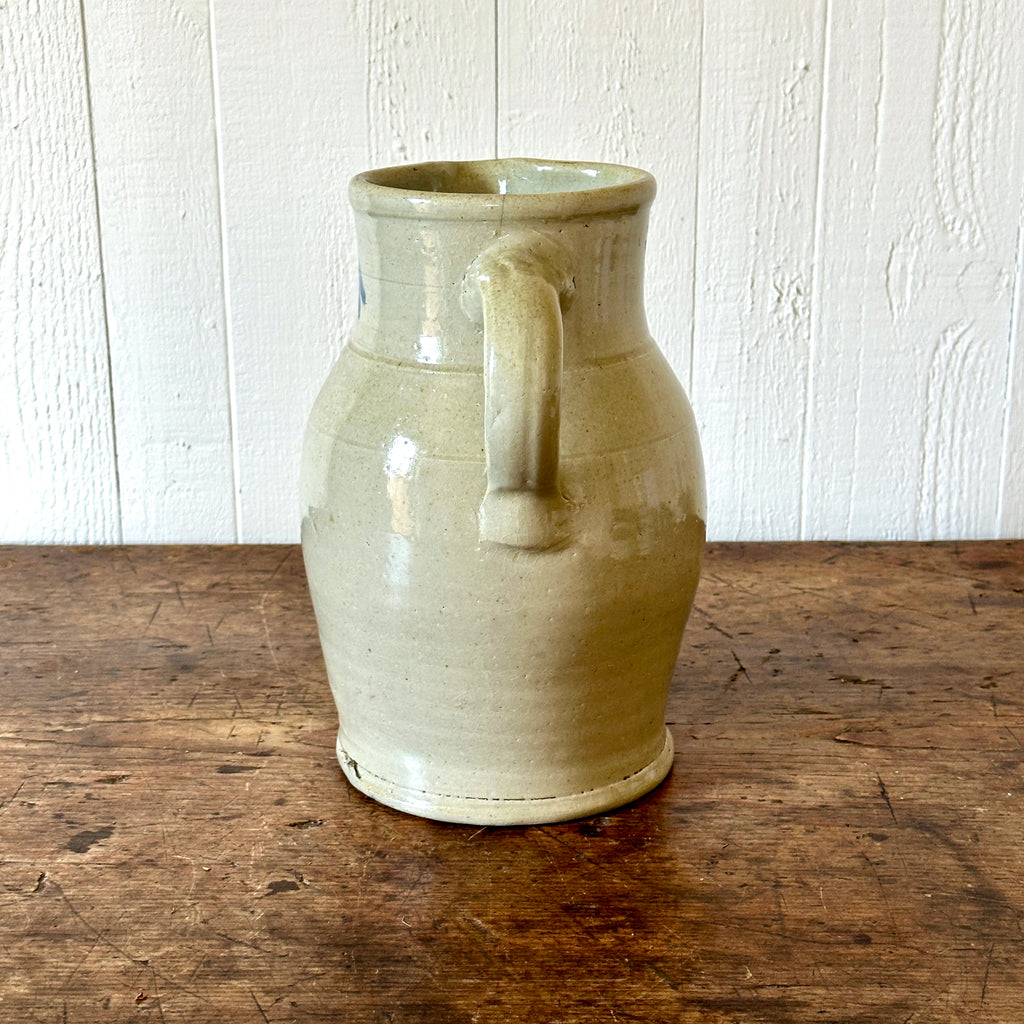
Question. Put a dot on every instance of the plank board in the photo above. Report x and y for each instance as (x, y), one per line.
(839, 839)
(156, 172)
(1010, 521)
(763, 68)
(58, 461)
(908, 432)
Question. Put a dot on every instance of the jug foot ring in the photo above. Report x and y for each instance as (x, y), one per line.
(501, 811)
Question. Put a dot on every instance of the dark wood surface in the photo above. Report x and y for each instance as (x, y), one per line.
(841, 839)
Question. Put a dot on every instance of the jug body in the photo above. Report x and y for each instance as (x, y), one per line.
(503, 497)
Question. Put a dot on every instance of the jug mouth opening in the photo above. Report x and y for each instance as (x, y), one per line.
(512, 187)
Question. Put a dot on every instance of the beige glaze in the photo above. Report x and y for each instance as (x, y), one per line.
(503, 496)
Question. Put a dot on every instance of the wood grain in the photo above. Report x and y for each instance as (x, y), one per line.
(1010, 522)
(838, 841)
(58, 460)
(914, 303)
(156, 172)
(428, 80)
(756, 260)
(285, 140)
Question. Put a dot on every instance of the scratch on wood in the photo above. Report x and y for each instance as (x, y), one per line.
(674, 985)
(241, 942)
(711, 623)
(885, 898)
(266, 630)
(101, 937)
(258, 1007)
(741, 671)
(8, 801)
(281, 564)
(988, 967)
(482, 928)
(885, 797)
(579, 854)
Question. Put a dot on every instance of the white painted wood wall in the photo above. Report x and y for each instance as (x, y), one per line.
(835, 263)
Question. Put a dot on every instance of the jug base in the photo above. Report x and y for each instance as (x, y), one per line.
(470, 810)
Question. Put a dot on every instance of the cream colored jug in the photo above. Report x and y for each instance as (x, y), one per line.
(503, 496)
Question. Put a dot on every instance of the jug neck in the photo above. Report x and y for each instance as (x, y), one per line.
(415, 247)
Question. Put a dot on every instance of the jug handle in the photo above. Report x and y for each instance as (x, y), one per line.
(518, 288)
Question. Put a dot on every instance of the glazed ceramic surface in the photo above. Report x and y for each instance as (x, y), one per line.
(503, 496)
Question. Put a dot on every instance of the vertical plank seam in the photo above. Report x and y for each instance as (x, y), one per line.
(369, 116)
(1011, 363)
(877, 141)
(696, 200)
(815, 300)
(103, 274)
(229, 346)
(497, 66)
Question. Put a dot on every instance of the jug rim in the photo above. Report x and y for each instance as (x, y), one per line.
(501, 188)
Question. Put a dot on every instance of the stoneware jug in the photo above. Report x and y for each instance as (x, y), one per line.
(503, 496)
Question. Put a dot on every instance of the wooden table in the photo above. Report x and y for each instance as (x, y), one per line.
(841, 839)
